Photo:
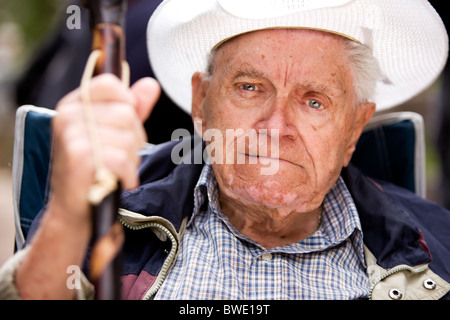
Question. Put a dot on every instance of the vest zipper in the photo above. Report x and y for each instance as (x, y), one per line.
(167, 262)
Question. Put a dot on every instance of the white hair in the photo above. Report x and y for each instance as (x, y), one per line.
(365, 68)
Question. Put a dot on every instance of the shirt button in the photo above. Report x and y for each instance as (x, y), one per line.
(266, 257)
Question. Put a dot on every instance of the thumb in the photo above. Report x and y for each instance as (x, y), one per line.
(146, 91)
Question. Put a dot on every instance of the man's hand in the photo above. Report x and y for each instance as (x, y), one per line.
(66, 227)
(119, 113)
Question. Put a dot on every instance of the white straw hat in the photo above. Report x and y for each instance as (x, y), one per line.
(407, 37)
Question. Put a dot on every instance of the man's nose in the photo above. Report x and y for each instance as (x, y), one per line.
(279, 117)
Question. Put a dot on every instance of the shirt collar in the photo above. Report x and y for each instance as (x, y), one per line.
(205, 192)
(340, 216)
(340, 219)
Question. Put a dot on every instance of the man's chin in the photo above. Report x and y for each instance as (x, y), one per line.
(271, 191)
(278, 173)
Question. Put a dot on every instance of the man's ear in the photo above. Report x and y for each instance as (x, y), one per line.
(364, 113)
(200, 84)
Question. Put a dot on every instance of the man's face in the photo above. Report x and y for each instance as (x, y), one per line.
(294, 87)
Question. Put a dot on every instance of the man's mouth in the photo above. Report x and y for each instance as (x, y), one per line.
(267, 160)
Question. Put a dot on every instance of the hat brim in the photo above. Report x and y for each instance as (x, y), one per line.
(407, 37)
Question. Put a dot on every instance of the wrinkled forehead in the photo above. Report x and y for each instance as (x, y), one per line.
(331, 43)
(311, 59)
(282, 44)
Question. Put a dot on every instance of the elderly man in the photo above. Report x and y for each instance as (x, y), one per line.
(299, 80)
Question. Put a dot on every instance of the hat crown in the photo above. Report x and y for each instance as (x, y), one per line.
(262, 9)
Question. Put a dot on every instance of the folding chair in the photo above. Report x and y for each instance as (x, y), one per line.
(30, 169)
(391, 148)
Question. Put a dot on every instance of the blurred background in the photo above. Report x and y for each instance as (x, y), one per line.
(24, 28)
(41, 59)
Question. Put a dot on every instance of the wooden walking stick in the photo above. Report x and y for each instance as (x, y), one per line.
(107, 19)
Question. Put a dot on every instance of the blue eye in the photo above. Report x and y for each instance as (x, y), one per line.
(314, 104)
(249, 87)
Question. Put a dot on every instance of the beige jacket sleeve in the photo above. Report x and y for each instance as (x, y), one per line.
(8, 289)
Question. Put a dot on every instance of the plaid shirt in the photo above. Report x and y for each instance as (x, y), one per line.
(217, 262)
